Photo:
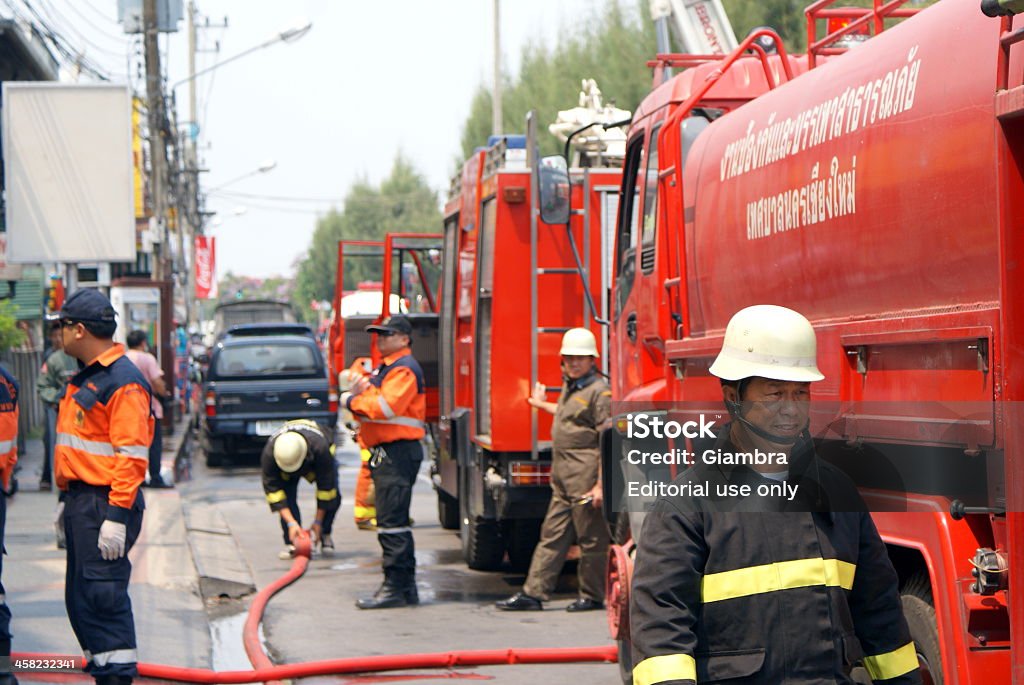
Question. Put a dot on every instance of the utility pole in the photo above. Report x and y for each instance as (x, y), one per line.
(192, 172)
(496, 122)
(157, 149)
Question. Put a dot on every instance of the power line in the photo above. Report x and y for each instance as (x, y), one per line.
(121, 40)
(58, 41)
(275, 198)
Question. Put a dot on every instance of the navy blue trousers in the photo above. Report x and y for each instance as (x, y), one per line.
(393, 479)
(5, 612)
(96, 591)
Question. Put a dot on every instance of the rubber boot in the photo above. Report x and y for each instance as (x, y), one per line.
(390, 597)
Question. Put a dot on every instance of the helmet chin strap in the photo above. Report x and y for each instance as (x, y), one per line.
(735, 411)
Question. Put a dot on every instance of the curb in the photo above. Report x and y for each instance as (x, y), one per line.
(220, 565)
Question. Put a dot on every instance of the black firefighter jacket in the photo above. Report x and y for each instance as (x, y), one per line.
(768, 592)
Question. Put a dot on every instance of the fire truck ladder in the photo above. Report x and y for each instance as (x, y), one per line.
(537, 272)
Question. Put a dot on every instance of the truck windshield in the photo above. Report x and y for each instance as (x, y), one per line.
(267, 359)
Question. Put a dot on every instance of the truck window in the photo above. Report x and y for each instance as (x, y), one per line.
(485, 286)
(447, 325)
(626, 239)
(689, 128)
(651, 190)
(650, 204)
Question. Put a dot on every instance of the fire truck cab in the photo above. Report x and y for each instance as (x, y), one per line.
(512, 287)
(880, 193)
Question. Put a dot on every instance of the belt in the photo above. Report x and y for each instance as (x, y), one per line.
(82, 486)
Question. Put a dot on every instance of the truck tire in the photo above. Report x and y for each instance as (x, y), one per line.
(481, 540)
(919, 609)
(521, 537)
(214, 459)
(625, 661)
(447, 511)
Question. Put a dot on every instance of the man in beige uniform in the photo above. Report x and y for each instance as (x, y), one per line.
(575, 510)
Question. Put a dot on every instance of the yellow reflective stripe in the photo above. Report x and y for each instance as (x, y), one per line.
(659, 669)
(325, 495)
(365, 455)
(782, 575)
(276, 496)
(362, 512)
(892, 664)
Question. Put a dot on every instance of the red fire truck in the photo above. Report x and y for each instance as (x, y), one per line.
(511, 288)
(408, 268)
(880, 193)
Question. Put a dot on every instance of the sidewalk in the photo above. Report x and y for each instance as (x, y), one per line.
(171, 623)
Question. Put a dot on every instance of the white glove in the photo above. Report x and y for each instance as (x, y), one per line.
(111, 541)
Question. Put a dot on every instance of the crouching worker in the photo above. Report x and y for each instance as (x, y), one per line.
(300, 449)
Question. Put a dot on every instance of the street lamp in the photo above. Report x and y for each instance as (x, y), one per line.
(219, 220)
(267, 165)
(287, 35)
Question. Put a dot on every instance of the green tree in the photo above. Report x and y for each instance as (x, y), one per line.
(10, 334)
(403, 203)
(611, 46)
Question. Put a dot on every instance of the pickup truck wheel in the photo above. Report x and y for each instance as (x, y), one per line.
(214, 459)
(521, 537)
(481, 541)
(447, 511)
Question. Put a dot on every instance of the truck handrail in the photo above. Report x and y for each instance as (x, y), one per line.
(1007, 39)
(860, 16)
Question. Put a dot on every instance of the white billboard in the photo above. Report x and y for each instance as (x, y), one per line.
(68, 167)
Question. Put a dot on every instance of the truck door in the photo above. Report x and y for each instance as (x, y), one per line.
(359, 262)
(412, 277)
(626, 372)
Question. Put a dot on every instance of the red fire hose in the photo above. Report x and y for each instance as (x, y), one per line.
(265, 672)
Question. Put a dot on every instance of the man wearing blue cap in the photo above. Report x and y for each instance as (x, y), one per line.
(104, 428)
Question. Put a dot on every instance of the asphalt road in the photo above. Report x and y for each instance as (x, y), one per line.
(316, 619)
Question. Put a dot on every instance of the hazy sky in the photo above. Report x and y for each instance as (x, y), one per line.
(369, 80)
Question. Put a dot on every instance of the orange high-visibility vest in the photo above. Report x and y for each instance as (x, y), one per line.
(104, 427)
(395, 406)
(8, 426)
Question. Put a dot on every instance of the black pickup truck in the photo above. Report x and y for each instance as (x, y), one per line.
(254, 384)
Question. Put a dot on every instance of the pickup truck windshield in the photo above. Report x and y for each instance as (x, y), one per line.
(266, 359)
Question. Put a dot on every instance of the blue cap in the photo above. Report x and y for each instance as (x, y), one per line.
(392, 324)
(88, 304)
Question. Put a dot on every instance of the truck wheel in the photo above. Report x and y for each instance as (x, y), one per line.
(447, 511)
(214, 459)
(919, 608)
(521, 537)
(481, 541)
(625, 661)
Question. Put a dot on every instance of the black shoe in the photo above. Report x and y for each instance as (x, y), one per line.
(585, 604)
(159, 484)
(44, 486)
(520, 602)
(114, 680)
(390, 597)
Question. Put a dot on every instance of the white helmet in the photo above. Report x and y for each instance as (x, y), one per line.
(289, 451)
(771, 342)
(579, 342)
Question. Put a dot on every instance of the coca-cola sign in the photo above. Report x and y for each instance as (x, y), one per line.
(206, 279)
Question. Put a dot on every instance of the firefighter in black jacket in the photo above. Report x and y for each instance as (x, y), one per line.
(301, 450)
(793, 594)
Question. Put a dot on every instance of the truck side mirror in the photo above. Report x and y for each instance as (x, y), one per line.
(553, 189)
